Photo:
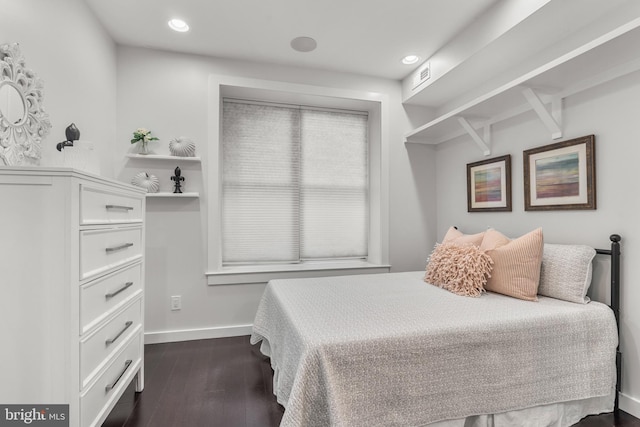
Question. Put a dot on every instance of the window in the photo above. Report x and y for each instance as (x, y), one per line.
(294, 183)
(220, 271)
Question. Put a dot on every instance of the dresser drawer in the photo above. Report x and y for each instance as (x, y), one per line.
(99, 206)
(96, 349)
(103, 393)
(101, 296)
(104, 249)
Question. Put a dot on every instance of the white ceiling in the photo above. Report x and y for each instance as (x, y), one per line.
(359, 36)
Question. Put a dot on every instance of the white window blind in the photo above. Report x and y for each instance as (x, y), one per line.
(295, 183)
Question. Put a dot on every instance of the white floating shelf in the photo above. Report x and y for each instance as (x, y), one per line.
(605, 58)
(177, 195)
(162, 157)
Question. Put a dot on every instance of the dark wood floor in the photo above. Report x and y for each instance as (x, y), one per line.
(223, 382)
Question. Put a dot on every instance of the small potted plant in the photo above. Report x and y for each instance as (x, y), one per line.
(143, 136)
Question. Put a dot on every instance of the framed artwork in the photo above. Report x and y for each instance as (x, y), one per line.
(561, 175)
(489, 185)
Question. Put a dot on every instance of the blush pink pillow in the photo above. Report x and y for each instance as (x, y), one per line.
(456, 237)
(462, 270)
(516, 263)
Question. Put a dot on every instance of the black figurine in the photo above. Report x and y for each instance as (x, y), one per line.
(177, 179)
(72, 133)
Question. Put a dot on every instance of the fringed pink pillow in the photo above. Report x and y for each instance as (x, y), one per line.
(462, 270)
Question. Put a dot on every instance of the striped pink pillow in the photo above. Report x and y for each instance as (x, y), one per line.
(516, 263)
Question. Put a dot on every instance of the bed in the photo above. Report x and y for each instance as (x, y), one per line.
(390, 350)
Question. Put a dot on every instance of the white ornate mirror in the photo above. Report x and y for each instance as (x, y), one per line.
(23, 122)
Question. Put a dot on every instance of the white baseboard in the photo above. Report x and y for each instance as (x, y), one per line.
(196, 334)
(629, 404)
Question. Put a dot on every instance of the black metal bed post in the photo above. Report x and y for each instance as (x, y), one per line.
(615, 302)
(615, 306)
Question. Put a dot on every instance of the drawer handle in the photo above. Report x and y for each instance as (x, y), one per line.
(113, 294)
(117, 248)
(112, 340)
(119, 207)
(110, 387)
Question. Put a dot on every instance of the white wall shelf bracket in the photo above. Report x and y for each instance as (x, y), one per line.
(551, 120)
(482, 141)
(556, 111)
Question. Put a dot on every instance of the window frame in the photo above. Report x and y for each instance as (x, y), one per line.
(375, 104)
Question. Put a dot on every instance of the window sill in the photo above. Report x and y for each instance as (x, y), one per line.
(264, 273)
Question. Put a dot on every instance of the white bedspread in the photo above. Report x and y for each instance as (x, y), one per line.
(391, 350)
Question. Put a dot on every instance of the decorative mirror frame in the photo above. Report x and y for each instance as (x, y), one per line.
(20, 139)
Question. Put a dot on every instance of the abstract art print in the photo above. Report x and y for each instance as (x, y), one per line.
(561, 175)
(489, 185)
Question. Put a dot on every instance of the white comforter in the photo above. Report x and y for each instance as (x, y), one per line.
(391, 350)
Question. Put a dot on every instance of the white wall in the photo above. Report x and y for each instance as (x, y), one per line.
(610, 112)
(68, 49)
(168, 93)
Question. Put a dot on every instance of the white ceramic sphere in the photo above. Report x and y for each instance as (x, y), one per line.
(149, 182)
(182, 147)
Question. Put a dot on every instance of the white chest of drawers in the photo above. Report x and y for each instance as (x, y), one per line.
(72, 290)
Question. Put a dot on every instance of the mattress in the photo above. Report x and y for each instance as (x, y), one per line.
(391, 350)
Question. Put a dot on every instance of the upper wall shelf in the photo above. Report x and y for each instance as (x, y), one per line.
(161, 157)
(603, 59)
(177, 195)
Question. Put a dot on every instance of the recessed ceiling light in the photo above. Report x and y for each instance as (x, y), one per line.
(303, 44)
(178, 25)
(410, 59)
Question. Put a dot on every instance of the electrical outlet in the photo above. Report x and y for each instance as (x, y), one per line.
(176, 302)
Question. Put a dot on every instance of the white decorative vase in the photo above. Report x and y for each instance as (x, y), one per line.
(182, 147)
(146, 181)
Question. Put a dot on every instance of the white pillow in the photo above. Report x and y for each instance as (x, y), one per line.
(566, 272)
